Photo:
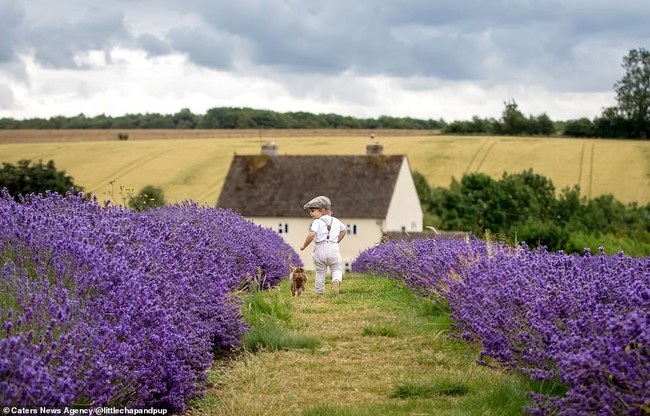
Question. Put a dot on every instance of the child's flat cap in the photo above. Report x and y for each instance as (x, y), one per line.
(320, 202)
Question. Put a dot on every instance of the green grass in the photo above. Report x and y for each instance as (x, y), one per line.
(269, 317)
(275, 338)
(259, 307)
(382, 331)
(375, 348)
(437, 388)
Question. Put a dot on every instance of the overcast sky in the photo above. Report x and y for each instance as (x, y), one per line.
(426, 59)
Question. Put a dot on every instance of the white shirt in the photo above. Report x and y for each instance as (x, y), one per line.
(319, 226)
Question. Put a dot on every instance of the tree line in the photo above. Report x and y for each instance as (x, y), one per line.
(223, 118)
(524, 207)
(512, 123)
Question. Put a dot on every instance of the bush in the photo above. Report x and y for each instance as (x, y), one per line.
(149, 197)
(582, 127)
(612, 244)
(524, 207)
(37, 178)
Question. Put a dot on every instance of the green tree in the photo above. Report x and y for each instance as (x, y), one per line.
(455, 127)
(423, 189)
(27, 178)
(479, 203)
(149, 197)
(612, 123)
(513, 120)
(523, 207)
(541, 125)
(476, 125)
(426, 197)
(522, 196)
(568, 205)
(475, 208)
(156, 121)
(633, 90)
(184, 119)
(582, 127)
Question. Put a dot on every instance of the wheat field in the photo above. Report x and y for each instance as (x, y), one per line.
(192, 165)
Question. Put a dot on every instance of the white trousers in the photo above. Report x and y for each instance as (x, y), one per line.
(327, 255)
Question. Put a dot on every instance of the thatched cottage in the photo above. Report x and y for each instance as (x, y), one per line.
(373, 194)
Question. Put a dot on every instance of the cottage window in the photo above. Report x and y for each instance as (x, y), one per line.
(283, 228)
(352, 229)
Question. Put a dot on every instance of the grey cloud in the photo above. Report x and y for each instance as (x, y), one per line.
(392, 38)
(204, 46)
(279, 34)
(310, 37)
(11, 18)
(500, 41)
(55, 45)
(6, 50)
(508, 40)
(552, 42)
(153, 45)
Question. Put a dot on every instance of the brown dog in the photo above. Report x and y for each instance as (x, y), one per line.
(298, 280)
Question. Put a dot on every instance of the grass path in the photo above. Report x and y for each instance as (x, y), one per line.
(374, 349)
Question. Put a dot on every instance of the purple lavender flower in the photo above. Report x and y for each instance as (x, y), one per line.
(582, 322)
(105, 306)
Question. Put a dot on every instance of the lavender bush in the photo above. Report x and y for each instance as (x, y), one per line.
(579, 321)
(105, 306)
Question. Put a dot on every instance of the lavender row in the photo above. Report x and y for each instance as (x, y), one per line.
(105, 306)
(579, 321)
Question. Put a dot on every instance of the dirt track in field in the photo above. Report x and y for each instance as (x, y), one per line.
(42, 136)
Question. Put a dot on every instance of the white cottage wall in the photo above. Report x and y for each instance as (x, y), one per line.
(404, 211)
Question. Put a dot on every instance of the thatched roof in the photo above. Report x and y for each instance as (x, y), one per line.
(279, 186)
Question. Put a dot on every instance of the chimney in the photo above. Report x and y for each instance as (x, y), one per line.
(374, 147)
(270, 149)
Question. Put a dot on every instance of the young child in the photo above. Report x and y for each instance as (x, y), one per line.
(326, 232)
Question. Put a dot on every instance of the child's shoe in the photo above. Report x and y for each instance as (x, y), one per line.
(336, 286)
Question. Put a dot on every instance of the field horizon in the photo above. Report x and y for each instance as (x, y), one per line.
(192, 164)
